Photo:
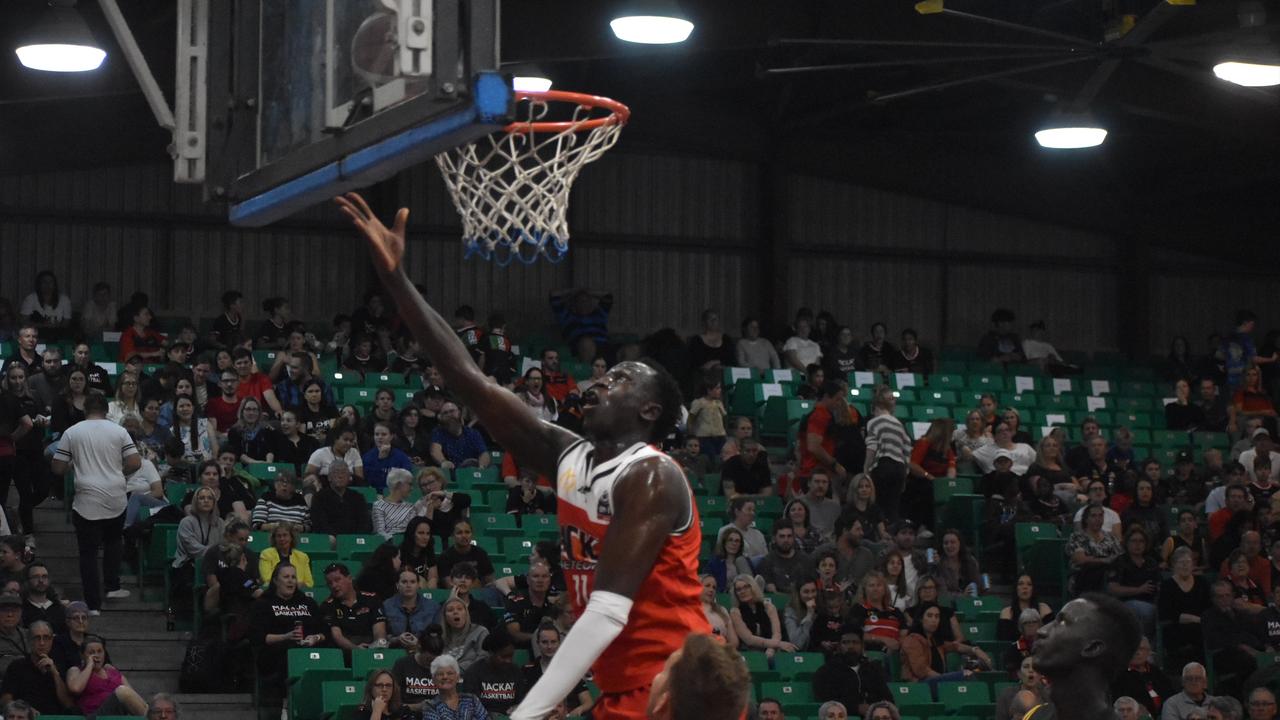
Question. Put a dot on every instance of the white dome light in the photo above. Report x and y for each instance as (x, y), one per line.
(1070, 138)
(651, 29)
(525, 83)
(61, 58)
(1248, 74)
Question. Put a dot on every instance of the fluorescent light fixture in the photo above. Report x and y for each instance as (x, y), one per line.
(651, 29)
(1071, 137)
(60, 42)
(1248, 74)
(530, 83)
(61, 58)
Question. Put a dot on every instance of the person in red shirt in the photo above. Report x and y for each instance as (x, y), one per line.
(225, 408)
(557, 384)
(1237, 502)
(818, 435)
(253, 383)
(931, 457)
(139, 339)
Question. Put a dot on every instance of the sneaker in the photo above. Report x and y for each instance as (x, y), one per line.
(118, 594)
(95, 613)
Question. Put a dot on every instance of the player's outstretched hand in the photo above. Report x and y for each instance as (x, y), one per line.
(386, 245)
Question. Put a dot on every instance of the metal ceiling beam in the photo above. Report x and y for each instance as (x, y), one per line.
(854, 42)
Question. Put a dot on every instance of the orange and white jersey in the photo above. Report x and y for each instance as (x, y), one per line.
(668, 605)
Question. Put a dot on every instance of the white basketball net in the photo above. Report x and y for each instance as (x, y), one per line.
(512, 188)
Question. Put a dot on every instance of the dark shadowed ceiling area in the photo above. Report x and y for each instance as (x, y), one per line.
(1190, 160)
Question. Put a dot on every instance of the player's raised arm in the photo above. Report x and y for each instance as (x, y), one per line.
(650, 502)
(510, 421)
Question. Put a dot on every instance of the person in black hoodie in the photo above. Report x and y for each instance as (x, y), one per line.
(849, 677)
(281, 619)
(1144, 682)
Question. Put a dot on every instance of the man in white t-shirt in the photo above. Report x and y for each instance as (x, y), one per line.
(1097, 494)
(799, 352)
(102, 455)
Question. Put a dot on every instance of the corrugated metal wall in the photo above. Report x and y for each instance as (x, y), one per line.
(669, 236)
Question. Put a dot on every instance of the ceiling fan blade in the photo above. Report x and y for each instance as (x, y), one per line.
(1019, 27)
(1144, 29)
(853, 42)
(905, 62)
(934, 87)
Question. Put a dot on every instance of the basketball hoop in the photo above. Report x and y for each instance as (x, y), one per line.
(512, 188)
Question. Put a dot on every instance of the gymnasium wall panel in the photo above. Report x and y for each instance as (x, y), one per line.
(824, 212)
(859, 292)
(1217, 297)
(654, 289)
(1079, 308)
(972, 231)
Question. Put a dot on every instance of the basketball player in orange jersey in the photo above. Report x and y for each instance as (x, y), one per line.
(629, 528)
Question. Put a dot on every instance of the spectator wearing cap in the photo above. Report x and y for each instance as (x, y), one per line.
(35, 677)
(1263, 447)
(13, 640)
(463, 578)
(849, 677)
(354, 617)
(1021, 454)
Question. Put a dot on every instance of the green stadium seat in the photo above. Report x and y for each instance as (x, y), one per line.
(471, 477)
(742, 398)
(915, 698)
(319, 593)
(496, 524)
(302, 660)
(346, 378)
(953, 382)
(264, 471)
(790, 693)
(1027, 533)
(391, 381)
(501, 570)
(1063, 386)
(175, 492)
(732, 375)
(979, 631)
(986, 383)
(370, 494)
(1138, 388)
(316, 546)
(1046, 562)
(944, 488)
(966, 698)
(938, 397)
(364, 660)
(260, 540)
(491, 545)
(1134, 420)
(782, 416)
(305, 701)
(971, 609)
(358, 547)
(799, 665)
(907, 395)
(1207, 440)
(1023, 402)
(404, 396)
(1025, 383)
(359, 396)
(781, 375)
(1171, 438)
(927, 413)
(339, 699)
(863, 379)
(900, 381)
(156, 560)
(758, 666)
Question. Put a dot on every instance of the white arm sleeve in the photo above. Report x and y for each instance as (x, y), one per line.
(601, 622)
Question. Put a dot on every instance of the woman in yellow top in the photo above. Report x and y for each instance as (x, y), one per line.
(284, 544)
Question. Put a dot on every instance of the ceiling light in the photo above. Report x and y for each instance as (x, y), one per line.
(1248, 74)
(655, 22)
(530, 83)
(1070, 136)
(60, 42)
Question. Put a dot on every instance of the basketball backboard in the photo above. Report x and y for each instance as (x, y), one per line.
(306, 100)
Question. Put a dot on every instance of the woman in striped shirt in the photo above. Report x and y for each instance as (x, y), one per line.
(282, 504)
(888, 448)
(392, 513)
